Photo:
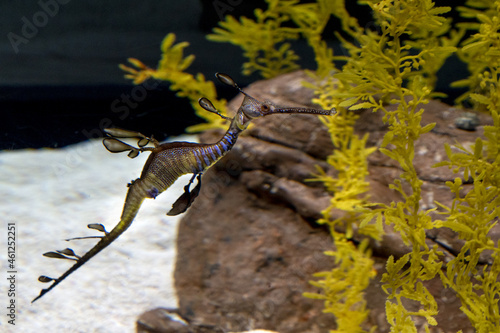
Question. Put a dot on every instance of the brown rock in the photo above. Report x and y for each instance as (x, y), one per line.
(244, 262)
(249, 244)
(169, 321)
(162, 321)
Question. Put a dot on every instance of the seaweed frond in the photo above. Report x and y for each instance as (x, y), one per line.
(343, 287)
(474, 214)
(481, 50)
(390, 66)
(171, 68)
(262, 40)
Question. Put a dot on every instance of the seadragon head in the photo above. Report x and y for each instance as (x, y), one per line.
(252, 108)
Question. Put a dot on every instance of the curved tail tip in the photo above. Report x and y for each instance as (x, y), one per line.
(45, 279)
(39, 296)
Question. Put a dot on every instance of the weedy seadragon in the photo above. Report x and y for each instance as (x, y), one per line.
(166, 163)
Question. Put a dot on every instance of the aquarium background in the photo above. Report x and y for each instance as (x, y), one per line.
(63, 77)
(59, 81)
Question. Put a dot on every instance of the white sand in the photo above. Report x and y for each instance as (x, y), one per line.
(52, 194)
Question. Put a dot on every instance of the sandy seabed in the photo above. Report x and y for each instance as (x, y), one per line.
(51, 195)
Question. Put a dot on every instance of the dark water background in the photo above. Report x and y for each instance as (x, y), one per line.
(59, 76)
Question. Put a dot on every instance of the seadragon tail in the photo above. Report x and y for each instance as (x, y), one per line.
(130, 209)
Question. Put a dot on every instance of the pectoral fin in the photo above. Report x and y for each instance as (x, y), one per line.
(116, 146)
(123, 133)
(62, 254)
(45, 279)
(186, 199)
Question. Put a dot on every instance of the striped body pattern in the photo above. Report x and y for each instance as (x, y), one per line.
(166, 163)
(172, 160)
(169, 161)
(208, 154)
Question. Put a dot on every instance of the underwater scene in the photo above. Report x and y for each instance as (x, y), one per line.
(233, 166)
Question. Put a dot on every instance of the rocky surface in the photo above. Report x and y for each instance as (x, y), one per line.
(249, 245)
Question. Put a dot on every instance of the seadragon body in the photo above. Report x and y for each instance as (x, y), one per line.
(166, 163)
